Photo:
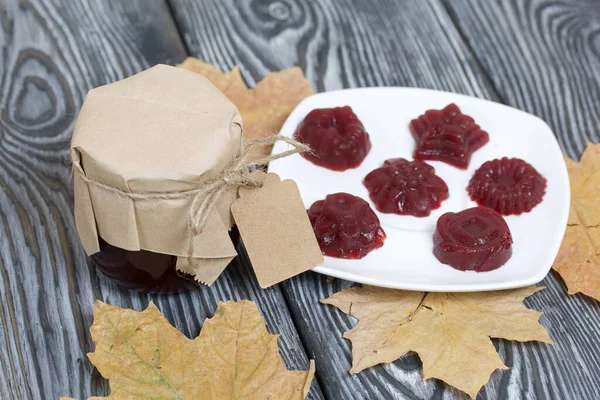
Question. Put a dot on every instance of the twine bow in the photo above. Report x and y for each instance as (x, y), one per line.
(236, 174)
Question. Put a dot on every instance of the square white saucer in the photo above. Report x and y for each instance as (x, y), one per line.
(406, 260)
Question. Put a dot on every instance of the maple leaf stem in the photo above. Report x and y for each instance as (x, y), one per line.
(412, 314)
(408, 318)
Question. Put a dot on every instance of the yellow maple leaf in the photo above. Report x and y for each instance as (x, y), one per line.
(578, 260)
(450, 331)
(265, 108)
(234, 357)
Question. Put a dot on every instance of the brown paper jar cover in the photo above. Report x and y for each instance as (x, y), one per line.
(163, 130)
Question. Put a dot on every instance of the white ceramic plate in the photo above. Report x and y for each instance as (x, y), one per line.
(406, 260)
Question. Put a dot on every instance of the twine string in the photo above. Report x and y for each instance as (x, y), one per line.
(205, 198)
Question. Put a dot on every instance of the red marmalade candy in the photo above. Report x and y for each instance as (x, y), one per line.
(345, 226)
(477, 239)
(508, 185)
(406, 188)
(447, 135)
(336, 136)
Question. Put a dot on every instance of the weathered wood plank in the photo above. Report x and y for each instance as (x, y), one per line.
(352, 43)
(543, 56)
(53, 52)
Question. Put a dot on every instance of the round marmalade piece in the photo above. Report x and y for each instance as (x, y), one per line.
(406, 188)
(336, 136)
(447, 135)
(509, 186)
(476, 239)
(345, 226)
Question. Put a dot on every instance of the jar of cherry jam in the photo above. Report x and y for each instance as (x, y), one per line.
(145, 271)
(142, 150)
(142, 270)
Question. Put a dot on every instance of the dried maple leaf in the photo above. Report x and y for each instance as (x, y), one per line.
(265, 108)
(578, 260)
(234, 357)
(450, 331)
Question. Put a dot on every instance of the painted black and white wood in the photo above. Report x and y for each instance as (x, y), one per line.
(53, 52)
(538, 55)
(543, 56)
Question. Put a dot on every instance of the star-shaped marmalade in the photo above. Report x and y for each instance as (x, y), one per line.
(447, 135)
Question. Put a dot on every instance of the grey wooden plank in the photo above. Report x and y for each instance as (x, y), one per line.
(543, 58)
(386, 42)
(53, 52)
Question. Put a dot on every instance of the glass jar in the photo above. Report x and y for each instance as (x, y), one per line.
(145, 271)
(142, 149)
(142, 270)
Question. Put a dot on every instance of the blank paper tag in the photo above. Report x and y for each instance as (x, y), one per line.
(276, 230)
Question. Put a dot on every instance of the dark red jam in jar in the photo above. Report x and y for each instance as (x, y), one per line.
(476, 239)
(143, 149)
(345, 226)
(336, 136)
(142, 270)
(447, 135)
(145, 271)
(406, 188)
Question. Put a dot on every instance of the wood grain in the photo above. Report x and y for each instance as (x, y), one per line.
(543, 58)
(53, 52)
(418, 44)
